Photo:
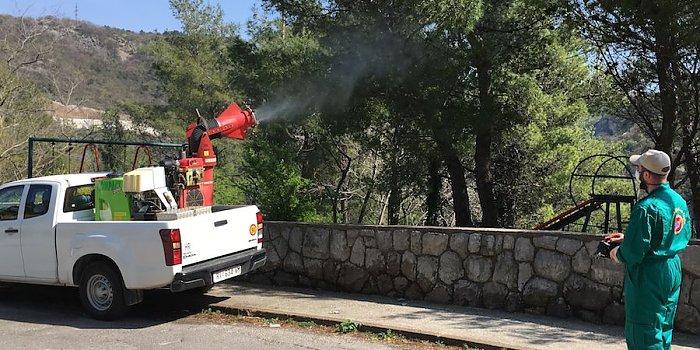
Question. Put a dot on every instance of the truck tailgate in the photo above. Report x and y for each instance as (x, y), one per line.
(227, 230)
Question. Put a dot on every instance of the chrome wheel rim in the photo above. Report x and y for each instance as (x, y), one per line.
(100, 293)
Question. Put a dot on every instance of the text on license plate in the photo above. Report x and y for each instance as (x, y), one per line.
(226, 274)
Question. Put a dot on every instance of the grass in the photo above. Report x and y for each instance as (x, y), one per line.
(345, 328)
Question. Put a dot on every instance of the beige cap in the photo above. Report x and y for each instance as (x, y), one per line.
(655, 161)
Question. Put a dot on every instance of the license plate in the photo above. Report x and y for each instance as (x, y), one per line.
(226, 274)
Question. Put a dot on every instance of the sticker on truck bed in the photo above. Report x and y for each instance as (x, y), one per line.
(187, 251)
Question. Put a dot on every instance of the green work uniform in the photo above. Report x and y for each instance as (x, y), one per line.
(659, 228)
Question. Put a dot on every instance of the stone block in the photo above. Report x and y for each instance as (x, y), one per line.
(357, 255)
(686, 286)
(494, 295)
(607, 272)
(568, 246)
(408, 265)
(374, 261)
(416, 242)
(524, 250)
(352, 278)
(524, 274)
(540, 292)
(434, 243)
(695, 293)
(559, 308)
(508, 242)
(385, 284)
(296, 238)
(581, 261)
(514, 302)
(552, 265)
(426, 272)
(546, 242)
(316, 243)
(588, 316)
(273, 261)
(489, 245)
(474, 243)
(688, 319)
(506, 270)
(459, 242)
(614, 314)
(450, 267)
(313, 268)
(370, 286)
(293, 263)
(352, 236)
(339, 247)
(479, 269)
(330, 272)
(393, 263)
(439, 294)
(384, 240)
(402, 240)
(591, 247)
(283, 278)
(414, 292)
(400, 284)
(691, 260)
(281, 245)
(581, 292)
(467, 293)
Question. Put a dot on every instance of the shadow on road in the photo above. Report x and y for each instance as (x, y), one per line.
(61, 306)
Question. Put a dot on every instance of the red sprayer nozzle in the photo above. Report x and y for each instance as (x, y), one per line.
(233, 123)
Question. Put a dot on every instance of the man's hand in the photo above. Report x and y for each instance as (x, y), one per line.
(615, 237)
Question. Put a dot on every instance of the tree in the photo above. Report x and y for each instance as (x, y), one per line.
(650, 49)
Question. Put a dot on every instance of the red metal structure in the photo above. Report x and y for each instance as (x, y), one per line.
(196, 169)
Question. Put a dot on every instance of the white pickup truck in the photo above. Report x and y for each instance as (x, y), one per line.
(48, 236)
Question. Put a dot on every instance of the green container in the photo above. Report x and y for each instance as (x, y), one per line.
(111, 203)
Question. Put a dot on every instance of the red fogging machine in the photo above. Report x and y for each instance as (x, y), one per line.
(191, 178)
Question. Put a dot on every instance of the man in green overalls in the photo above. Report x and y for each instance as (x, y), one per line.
(658, 230)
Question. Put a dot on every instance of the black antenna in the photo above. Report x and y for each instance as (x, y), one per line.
(76, 11)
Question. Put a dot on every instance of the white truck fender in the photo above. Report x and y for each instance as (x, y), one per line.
(109, 246)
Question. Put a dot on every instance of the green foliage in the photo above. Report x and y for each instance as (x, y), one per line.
(273, 180)
(363, 102)
(347, 327)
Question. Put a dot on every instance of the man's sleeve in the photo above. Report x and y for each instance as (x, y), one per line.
(637, 237)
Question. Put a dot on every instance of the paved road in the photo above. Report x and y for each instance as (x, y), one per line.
(34, 317)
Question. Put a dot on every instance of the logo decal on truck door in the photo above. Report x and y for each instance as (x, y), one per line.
(253, 230)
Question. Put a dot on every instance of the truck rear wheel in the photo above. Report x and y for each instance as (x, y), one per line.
(102, 292)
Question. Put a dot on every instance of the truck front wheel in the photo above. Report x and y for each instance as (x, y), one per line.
(102, 292)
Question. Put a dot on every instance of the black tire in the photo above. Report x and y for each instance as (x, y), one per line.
(102, 292)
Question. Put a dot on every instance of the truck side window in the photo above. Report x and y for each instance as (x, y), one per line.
(79, 198)
(9, 202)
(38, 200)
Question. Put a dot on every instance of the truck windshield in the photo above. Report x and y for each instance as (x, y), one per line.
(79, 198)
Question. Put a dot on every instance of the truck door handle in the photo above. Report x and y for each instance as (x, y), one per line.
(220, 223)
(11, 230)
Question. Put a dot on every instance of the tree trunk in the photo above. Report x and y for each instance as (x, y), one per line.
(460, 196)
(394, 206)
(433, 199)
(482, 154)
(664, 51)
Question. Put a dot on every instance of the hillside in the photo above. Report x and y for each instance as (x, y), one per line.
(102, 66)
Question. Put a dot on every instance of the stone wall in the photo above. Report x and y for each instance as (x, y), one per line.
(521, 271)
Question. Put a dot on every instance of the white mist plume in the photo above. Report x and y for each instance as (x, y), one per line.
(332, 92)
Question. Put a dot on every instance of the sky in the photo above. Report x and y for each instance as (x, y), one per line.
(136, 15)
